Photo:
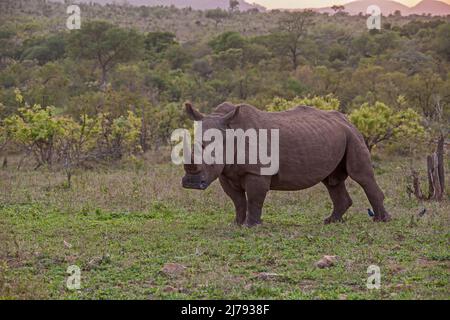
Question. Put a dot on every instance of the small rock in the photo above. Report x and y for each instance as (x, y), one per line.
(396, 268)
(402, 286)
(67, 245)
(96, 261)
(267, 275)
(149, 283)
(342, 297)
(170, 289)
(326, 262)
(70, 259)
(173, 269)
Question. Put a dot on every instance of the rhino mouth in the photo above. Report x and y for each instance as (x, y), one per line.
(194, 182)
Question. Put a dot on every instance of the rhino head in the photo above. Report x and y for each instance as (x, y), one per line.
(200, 176)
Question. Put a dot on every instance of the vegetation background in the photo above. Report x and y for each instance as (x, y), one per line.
(86, 117)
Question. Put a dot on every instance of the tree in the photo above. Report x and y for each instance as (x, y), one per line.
(217, 15)
(53, 138)
(424, 91)
(118, 136)
(323, 103)
(337, 8)
(158, 42)
(364, 45)
(379, 122)
(436, 175)
(105, 43)
(49, 85)
(76, 142)
(34, 129)
(177, 56)
(227, 40)
(231, 59)
(234, 5)
(8, 46)
(44, 50)
(202, 67)
(442, 41)
(294, 27)
(169, 118)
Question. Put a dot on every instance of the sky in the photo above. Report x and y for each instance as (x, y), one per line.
(271, 4)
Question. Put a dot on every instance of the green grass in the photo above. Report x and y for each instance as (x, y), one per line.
(124, 225)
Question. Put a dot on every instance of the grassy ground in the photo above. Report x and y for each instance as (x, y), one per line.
(120, 226)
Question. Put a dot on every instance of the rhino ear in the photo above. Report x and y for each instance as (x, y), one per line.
(230, 115)
(192, 112)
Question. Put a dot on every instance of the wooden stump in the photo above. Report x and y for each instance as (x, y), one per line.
(436, 175)
(416, 185)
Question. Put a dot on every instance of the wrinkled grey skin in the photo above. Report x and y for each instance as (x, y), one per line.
(315, 146)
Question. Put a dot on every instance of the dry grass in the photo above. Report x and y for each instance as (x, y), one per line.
(124, 223)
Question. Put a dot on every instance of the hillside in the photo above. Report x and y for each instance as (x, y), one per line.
(433, 7)
(390, 7)
(356, 7)
(194, 4)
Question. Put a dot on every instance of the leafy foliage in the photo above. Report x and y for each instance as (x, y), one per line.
(49, 137)
(379, 123)
(105, 43)
(323, 103)
(149, 60)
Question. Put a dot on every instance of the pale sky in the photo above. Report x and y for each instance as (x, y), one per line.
(271, 4)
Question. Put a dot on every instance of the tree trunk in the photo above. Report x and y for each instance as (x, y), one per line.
(430, 166)
(294, 59)
(440, 158)
(433, 177)
(416, 185)
(143, 136)
(104, 79)
(435, 173)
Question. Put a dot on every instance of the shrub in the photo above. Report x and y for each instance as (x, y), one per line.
(379, 123)
(324, 103)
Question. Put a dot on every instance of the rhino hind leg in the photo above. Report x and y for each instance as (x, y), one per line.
(341, 201)
(359, 168)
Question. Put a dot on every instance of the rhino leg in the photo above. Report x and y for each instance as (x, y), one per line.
(256, 188)
(359, 168)
(341, 201)
(376, 199)
(238, 196)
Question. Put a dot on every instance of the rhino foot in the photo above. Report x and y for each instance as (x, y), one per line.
(382, 218)
(333, 219)
(238, 223)
(252, 224)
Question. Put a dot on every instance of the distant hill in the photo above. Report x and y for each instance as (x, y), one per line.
(436, 8)
(388, 7)
(194, 4)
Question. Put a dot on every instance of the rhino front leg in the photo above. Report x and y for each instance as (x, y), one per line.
(256, 188)
(238, 196)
